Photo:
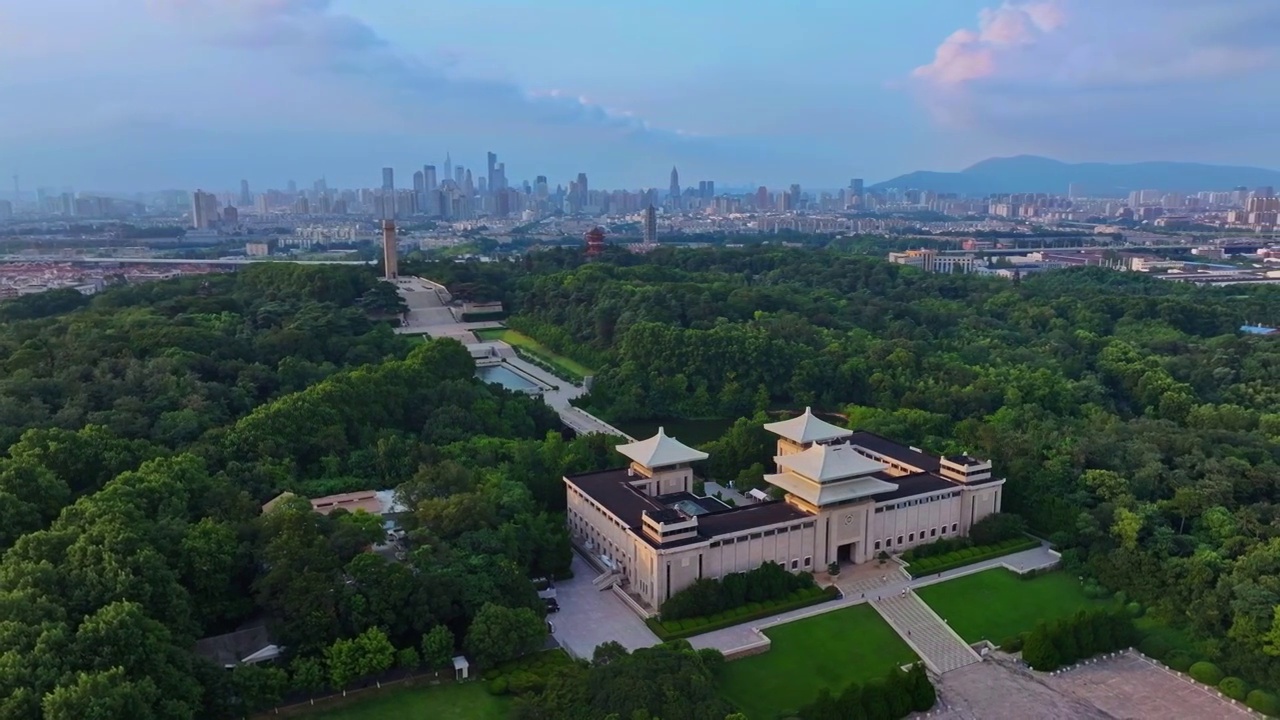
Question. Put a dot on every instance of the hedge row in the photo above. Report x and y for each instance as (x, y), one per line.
(677, 629)
(483, 317)
(969, 556)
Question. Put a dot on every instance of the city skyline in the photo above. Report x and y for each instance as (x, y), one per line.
(187, 93)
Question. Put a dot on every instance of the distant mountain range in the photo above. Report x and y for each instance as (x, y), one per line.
(1028, 173)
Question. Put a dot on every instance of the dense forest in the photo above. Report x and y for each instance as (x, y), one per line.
(146, 429)
(1137, 427)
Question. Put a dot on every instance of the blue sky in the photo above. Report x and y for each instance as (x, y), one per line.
(149, 94)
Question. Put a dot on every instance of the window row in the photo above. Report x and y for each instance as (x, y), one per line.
(763, 533)
(911, 537)
(917, 501)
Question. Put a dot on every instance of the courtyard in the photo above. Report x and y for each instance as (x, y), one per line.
(996, 604)
(1125, 686)
(829, 650)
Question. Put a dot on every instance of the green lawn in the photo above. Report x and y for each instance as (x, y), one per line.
(467, 701)
(535, 348)
(996, 604)
(829, 650)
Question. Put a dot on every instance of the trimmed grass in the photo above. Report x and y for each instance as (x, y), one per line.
(466, 701)
(830, 650)
(996, 604)
(533, 347)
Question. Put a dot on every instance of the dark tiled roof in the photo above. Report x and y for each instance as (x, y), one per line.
(891, 449)
(917, 484)
(987, 481)
(748, 517)
(610, 489)
(963, 459)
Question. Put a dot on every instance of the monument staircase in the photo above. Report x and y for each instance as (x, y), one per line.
(933, 640)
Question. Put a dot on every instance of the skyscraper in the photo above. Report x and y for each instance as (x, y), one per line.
(245, 198)
(204, 210)
(650, 225)
(429, 176)
(492, 167)
(583, 195)
(448, 167)
(856, 186)
(386, 198)
(674, 192)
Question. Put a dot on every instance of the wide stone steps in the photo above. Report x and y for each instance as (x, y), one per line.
(936, 643)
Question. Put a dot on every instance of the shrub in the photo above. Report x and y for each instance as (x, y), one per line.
(523, 682)
(498, 685)
(1234, 688)
(1206, 672)
(996, 528)
(1264, 702)
(1154, 646)
(1120, 597)
(1178, 660)
(1011, 644)
(408, 659)
(1134, 609)
(705, 596)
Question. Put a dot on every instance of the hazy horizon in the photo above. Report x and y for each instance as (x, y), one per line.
(122, 95)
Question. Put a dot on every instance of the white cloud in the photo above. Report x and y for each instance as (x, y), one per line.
(1093, 78)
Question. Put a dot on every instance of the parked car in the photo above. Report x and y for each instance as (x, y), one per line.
(552, 605)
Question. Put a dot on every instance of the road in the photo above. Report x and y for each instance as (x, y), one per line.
(429, 314)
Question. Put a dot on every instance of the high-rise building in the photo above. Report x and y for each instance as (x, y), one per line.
(429, 177)
(762, 198)
(390, 261)
(230, 216)
(583, 194)
(492, 167)
(448, 167)
(856, 186)
(293, 187)
(650, 225)
(420, 190)
(388, 179)
(204, 210)
(245, 198)
(459, 173)
(674, 192)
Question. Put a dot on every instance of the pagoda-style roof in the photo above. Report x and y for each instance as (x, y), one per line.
(839, 491)
(828, 463)
(807, 428)
(661, 450)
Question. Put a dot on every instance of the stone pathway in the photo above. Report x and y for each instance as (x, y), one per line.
(933, 640)
(734, 638)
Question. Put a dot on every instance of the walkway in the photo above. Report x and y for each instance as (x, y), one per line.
(737, 637)
(933, 640)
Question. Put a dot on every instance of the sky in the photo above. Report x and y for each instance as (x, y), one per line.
(153, 94)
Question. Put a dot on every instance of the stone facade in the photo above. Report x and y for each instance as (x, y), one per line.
(847, 497)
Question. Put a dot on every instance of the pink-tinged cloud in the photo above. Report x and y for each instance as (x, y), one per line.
(969, 55)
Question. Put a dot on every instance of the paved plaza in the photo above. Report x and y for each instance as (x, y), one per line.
(1126, 687)
(589, 616)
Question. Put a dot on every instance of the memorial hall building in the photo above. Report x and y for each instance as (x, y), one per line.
(846, 496)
